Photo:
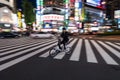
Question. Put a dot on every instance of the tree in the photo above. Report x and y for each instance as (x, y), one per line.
(29, 15)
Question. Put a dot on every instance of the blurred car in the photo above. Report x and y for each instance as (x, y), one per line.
(110, 30)
(41, 35)
(9, 35)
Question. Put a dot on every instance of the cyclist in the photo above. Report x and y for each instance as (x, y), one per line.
(64, 35)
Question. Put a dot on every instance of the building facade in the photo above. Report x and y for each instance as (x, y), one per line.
(8, 3)
(6, 11)
(77, 12)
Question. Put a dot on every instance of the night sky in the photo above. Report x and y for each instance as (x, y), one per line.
(19, 3)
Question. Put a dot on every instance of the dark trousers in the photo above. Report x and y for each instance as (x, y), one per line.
(62, 42)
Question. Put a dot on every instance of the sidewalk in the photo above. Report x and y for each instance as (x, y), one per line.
(111, 37)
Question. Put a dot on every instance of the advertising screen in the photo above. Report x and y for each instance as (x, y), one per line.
(117, 14)
(93, 2)
(52, 17)
(47, 25)
(119, 23)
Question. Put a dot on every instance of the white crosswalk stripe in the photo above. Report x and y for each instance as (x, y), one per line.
(118, 44)
(90, 54)
(45, 55)
(104, 54)
(115, 52)
(76, 54)
(23, 50)
(118, 47)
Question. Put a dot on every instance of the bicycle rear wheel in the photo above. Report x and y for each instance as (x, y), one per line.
(68, 50)
(53, 51)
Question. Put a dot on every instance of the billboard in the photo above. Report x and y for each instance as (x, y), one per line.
(47, 25)
(52, 17)
(119, 23)
(117, 14)
(94, 3)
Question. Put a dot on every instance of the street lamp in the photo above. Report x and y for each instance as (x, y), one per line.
(103, 3)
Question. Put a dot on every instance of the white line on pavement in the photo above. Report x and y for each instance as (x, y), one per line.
(15, 61)
(22, 45)
(108, 59)
(115, 52)
(118, 47)
(22, 52)
(90, 54)
(76, 53)
(117, 43)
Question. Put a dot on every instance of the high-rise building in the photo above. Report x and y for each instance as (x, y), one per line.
(9, 3)
(7, 10)
(111, 6)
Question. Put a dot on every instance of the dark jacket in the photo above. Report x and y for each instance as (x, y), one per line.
(65, 36)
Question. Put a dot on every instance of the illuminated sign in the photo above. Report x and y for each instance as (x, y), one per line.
(117, 14)
(72, 1)
(19, 15)
(119, 23)
(78, 6)
(39, 6)
(93, 2)
(52, 17)
(47, 25)
(7, 25)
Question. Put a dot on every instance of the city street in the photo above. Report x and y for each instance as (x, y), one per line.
(28, 59)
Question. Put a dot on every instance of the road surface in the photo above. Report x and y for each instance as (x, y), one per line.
(28, 59)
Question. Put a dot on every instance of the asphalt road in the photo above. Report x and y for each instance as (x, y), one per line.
(28, 59)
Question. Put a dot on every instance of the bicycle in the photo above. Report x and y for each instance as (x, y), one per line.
(55, 50)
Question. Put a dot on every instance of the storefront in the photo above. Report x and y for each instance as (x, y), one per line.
(117, 16)
(52, 22)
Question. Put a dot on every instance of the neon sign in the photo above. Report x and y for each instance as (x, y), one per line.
(52, 17)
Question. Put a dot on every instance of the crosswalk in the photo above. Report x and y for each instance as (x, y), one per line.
(13, 51)
(90, 54)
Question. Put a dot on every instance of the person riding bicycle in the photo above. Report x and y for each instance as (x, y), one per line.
(65, 38)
